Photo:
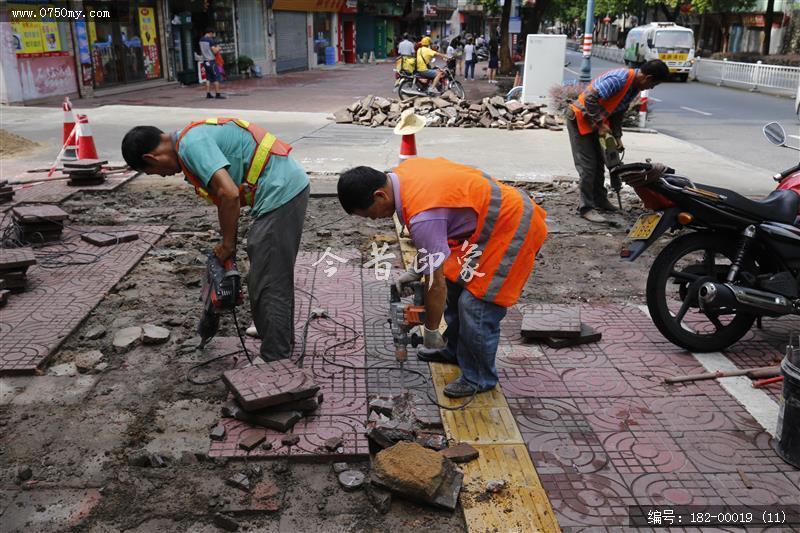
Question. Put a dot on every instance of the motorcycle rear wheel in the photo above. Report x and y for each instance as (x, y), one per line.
(457, 89)
(709, 259)
(400, 90)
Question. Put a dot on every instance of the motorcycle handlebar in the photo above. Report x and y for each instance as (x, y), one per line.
(787, 172)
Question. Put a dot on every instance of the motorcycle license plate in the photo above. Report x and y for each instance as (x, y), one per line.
(644, 227)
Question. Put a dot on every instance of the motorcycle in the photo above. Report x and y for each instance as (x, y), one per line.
(412, 85)
(739, 261)
(482, 53)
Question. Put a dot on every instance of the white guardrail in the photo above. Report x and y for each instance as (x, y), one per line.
(772, 79)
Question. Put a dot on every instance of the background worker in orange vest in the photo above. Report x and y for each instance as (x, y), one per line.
(599, 110)
(476, 239)
(236, 164)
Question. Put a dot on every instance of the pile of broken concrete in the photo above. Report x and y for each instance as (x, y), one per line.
(449, 111)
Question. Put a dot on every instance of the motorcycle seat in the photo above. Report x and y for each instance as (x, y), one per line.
(778, 206)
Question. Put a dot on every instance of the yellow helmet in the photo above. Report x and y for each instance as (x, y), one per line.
(426, 41)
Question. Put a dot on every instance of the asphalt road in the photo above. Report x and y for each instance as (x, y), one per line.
(720, 119)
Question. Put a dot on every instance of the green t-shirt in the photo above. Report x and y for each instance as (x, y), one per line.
(206, 149)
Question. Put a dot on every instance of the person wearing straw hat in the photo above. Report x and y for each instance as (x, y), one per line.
(408, 126)
(477, 239)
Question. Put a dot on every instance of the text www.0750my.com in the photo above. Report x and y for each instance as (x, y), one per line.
(56, 13)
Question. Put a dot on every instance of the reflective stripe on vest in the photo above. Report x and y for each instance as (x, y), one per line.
(267, 145)
(492, 212)
(609, 105)
(513, 249)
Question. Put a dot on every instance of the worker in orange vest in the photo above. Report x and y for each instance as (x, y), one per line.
(477, 240)
(234, 164)
(599, 110)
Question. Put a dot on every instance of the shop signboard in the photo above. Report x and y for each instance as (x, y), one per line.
(147, 34)
(83, 42)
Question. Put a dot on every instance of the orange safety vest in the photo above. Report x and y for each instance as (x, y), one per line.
(509, 232)
(266, 145)
(609, 105)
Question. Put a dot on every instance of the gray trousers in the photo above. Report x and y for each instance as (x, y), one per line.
(588, 157)
(272, 245)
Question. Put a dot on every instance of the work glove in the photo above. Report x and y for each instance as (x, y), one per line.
(409, 276)
(431, 338)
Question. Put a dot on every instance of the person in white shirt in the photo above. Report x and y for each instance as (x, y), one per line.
(406, 47)
(469, 60)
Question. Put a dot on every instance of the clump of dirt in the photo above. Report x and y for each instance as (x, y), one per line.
(409, 466)
(12, 145)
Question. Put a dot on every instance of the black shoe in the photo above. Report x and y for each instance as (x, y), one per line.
(606, 205)
(434, 356)
(208, 95)
(220, 97)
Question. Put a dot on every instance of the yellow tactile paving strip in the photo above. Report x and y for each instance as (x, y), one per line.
(487, 424)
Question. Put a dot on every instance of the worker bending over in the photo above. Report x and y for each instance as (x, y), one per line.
(600, 110)
(235, 164)
(477, 240)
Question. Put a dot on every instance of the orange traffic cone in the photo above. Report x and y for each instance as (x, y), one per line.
(86, 147)
(71, 150)
(408, 147)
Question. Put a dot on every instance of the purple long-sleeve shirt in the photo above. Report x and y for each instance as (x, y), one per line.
(431, 229)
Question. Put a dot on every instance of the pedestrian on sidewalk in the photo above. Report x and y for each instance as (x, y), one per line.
(451, 211)
(209, 50)
(494, 60)
(469, 60)
(233, 164)
(598, 111)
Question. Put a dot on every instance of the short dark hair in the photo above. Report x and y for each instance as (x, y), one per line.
(210, 30)
(657, 69)
(137, 142)
(356, 187)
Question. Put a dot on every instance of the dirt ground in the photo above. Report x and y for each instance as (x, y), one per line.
(12, 145)
(142, 400)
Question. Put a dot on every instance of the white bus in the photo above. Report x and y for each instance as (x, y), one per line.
(666, 41)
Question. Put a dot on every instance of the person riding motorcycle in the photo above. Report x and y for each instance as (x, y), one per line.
(425, 55)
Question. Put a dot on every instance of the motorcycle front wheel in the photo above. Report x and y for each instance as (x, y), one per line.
(457, 89)
(403, 87)
(673, 286)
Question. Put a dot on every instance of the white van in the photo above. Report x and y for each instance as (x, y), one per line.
(666, 41)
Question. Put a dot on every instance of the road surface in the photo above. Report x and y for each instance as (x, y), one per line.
(720, 119)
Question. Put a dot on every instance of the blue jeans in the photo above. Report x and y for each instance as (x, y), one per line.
(469, 68)
(472, 335)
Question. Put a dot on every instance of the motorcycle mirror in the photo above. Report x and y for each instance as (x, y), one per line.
(775, 134)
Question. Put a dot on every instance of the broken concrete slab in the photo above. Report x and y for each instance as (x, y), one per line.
(334, 443)
(351, 480)
(152, 334)
(290, 439)
(277, 420)
(239, 481)
(109, 239)
(125, 338)
(217, 432)
(87, 361)
(16, 259)
(225, 522)
(549, 320)
(381, 406)
(388, 433)
(588, 335)
(434, 441)
(340, 467)
(269, 384)
(251, 440)
(460, 453)
(418, 474)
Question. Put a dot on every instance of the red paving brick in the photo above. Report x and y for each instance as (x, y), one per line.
(604, 432)
(57, 191)
(34, 323)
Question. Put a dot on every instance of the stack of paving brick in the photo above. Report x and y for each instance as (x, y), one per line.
(558, 326)
(14, 263)
(85, 172)
(275, 395)
(37, 224)
(6, 192)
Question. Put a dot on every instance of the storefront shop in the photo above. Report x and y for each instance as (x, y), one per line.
(306, 33)
(189, 20)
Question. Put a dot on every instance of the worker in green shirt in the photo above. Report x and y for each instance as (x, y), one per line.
(235, 164)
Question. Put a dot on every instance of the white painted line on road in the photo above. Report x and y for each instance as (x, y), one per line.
(795, 136)
(693, 110)
(572, 71)
(653, 98)
(755, 401)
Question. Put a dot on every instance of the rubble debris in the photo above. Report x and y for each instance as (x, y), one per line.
(334, 443)
(496, 485)
(24, 473)
(340, 467)
(418, 474)
(434, 441)
(188, 458)
(460, 453)
(266, 445)
(125, 338)
(381, 406)
(351, 480)
(63, 370)
(588, 335)
(549, 320)
(109, 239)
(388, 433)
(38, 223)
(448, 111)
(145, 459)
(152, 334)
(290, 439)
(218, 432)
(225, 522)
(255, 472)
(277, 420)
(269, 384)
(252, 440)
(87, 362)
(380, 498)
(239, 481)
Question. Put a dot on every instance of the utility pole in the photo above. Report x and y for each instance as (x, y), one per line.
(586, 66)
